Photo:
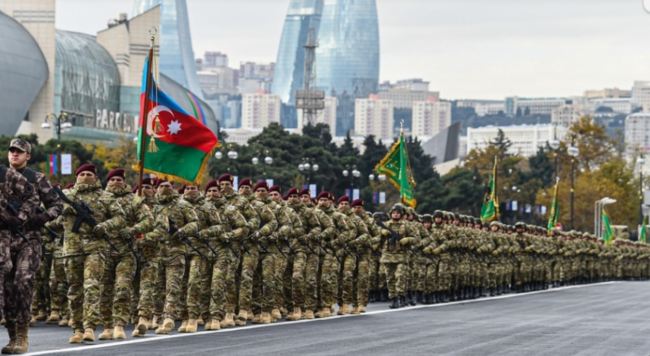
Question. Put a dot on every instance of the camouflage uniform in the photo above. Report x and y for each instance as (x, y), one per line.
(284, 264)
(263, 293)
(363, 266)
(314, 262)
(57, 279)
(120, 268)
(330, 264)
(356, 292)
(86, 252)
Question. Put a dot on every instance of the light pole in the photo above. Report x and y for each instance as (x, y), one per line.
(231, 155)
(267, 160)
(355, 174)
(640, 162)
(573, 151)
(61, 124)
(308, 166)
(555, 145)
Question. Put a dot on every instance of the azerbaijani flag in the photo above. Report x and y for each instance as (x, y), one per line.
(490, 209)
(51, 159)
(176, 144)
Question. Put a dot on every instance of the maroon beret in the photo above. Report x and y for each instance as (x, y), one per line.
(245, 181)
(160, 181)
(275, 188)
(69, 186)
(326, 195)
(305, 192)
(293, 191)
(181, 190)
(357, 202)
(149, 181)
(135, 188)
(211, 184)
(342, 199)
(226, 177)
(86, 167)
(117, 172)
(262, 184)
(285, 197)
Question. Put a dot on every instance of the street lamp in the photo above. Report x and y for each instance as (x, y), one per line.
(352, 172)
(61, 124)
(307, 168)
(640, 162)
(231, 155)
(573, 151)
(555, 145)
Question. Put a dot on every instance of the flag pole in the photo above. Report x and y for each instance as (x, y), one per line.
(494, 192)
(145, 112)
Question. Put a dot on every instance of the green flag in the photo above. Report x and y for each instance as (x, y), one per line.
(396, 167)
(555, 209)
(608, 235)
(490, 209)
(644, 230)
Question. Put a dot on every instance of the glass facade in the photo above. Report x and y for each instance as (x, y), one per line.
(176, 53)
(290, 64)
(86, 78)
(347, 59)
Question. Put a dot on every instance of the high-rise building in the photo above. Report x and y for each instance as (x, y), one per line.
(641, 94)
(636, 131)
(290, 68)
(326, 116)
(374, 116)
(259, 110)
(176, 53)
(347, 59)
(215, 59)
(405, 92)
(568, 114)
(430, 117)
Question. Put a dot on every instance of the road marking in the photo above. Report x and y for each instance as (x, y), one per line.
(154, 337)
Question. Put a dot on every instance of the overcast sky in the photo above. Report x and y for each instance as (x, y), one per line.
(466, 48)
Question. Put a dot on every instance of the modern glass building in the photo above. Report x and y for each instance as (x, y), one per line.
(290, 64)
(347, 59)
(176, 53)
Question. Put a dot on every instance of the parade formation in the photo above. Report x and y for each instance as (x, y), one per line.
(217, 256)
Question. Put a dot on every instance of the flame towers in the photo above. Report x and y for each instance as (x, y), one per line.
(176, 54)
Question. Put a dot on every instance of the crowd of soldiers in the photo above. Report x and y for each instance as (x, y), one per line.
(217, 257)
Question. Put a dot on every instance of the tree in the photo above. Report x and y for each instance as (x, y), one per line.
(527, 111)
(502, 143)
(518, 113)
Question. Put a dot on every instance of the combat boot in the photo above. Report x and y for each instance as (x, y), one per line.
(215, 324)
(183, 327)
(266, 318)
(200, 321)
(283, 311)
(53, 318)
(229, 320)
(89, 334)
(297, 314)
(192, 326)
(22, 339)
(309, 314)
(241, 318)
(355, 311)
(32, 322)
(64, 321)
(11, 330)
(371, 296)
(107, 334)
(250, 314)
(275, 314)
(77, 338)
(118, 333)
(344, 309)
(326, 312)
(413, 300)
(257, 319)
(42, 315)
(141, 328)
(167, 325)
(384, 295)
(394, 303)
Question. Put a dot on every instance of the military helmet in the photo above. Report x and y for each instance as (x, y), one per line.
(495, 223)
(427, 218)
(520, 224)
(437, 214)
(380, 215)
(398, 207)
(456, 216)
(486, 224)
(477, 221)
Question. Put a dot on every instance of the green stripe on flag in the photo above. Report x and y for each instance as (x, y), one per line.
(174, 160)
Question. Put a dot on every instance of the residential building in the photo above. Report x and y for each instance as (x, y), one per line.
(347, 59)
(252, 85)
(176, 53)
(325, 116)
(641, 94)
(637, 131)
(612, 93)
(256, 70)
(374, 116)
(525, 139)
(567, 114)
(430, 117)
(534, 105)
(215, 59)
(260, 109)
(618, 105)
(404, 92)
(218, 80)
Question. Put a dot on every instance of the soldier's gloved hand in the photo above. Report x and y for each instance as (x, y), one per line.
(126, 233)
(528, 249)
(404, 241)
(428, 250)
(495, 253)
(385, 232)
(437, 251)
(67, 209)
(39, 220)
(99, 229)
(375, 246)
(226, 237)
(204, 235)
(179, 234)
(256, 235)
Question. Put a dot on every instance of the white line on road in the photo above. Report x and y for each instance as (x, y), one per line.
(154, 337)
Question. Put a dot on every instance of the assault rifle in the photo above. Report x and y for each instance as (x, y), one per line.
(394, 236)
(15, 230)
(173, 229)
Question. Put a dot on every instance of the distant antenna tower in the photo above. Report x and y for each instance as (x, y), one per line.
(308, 98)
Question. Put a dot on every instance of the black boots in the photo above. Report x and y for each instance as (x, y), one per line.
(394, 304)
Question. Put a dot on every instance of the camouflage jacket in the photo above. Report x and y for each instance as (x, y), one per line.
(342, 231)
(152, 242)
(374, 232)
(396, 253)
(16, 188)
(361, 239)
(184, 217)
(210, 225)
(234, 224)
(107, 211)
(53, 206)
(244, 207)
(137, 216)
(310, 230)
(266, 229)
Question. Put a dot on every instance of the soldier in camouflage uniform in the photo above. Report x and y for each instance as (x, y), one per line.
(377, 275)
(59, 311)
(20, 259)
(353, 257)
(184, 220)
(394, 249)
(439, 246)
(120, 267)
(210, 229)
(222, 296)
(331, 261)
(362, 280)
(85, 250)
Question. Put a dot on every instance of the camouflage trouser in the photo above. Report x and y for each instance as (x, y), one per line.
(281, 262)
(346, 279)
(287, 281)
(248, 266)
(206, 287)
(396, 279)
(42, 294)
(453, 269)
(382, 277)
(298, 280)
(19, 282)
(360, 292)
(264, 285)
(84, 275)
(116, 290)
(191, 309)
(444, 274)
(223, 292)
(422, 274)
(329, 267)
(135, 292)
(430, 279)
(463, 271)
(59, 286)
(311, 282)
(6, 265)
(413, 272)
(148, 286)
(373, 272)
(174, 268)
(160, 290)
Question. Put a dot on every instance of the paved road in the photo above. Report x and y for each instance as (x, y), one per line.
(602, 319)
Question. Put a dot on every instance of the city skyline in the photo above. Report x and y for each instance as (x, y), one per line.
(466, 49)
